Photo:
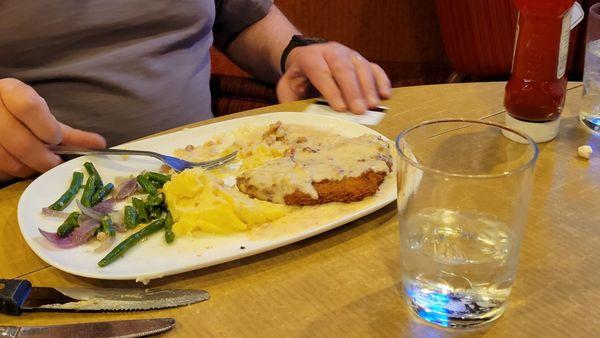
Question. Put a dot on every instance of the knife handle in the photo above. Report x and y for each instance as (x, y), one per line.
(13, 293)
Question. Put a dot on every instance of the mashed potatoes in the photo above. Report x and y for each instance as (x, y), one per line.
(198, 200)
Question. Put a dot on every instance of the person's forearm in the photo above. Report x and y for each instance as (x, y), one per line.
(259, 47)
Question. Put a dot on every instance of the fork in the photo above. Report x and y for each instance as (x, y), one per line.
(175, 163)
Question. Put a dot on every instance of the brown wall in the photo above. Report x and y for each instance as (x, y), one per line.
(403, 36)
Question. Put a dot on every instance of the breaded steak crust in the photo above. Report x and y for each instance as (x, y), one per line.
(346, 190)
(318, 169)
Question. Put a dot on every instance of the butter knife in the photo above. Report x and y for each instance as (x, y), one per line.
(121, 328)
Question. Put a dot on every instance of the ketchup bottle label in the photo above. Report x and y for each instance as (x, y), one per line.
(564, 46)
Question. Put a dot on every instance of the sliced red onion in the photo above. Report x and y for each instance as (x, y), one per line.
(105, 207)
(89, 211)
(54, 213)
(117, 219)
(126, 189)
(78, 236)
(119, 227)
(88, 221)
(104, 246)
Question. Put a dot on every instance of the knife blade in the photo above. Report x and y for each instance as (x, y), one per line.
(380, 109)
(17, 295)
(121, 328)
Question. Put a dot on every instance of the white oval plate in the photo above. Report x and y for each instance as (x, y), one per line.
(154, 258)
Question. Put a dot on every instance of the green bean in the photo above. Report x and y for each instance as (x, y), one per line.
(158, 178)
(155, 213)
(101, 193)
(130, 217)
(89, 190)
(91, 170)
(155, 204)
(140, 209)
(68, 225)
(130, 241)
(146, 185)
(66, 198)
(155, 200)
(169, 235)
(106, 223)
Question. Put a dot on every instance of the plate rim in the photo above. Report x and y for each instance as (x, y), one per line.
(297, 237)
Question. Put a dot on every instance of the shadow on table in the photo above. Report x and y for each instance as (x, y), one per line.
(383, 314)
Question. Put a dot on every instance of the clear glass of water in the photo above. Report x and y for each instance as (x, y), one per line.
(590, 106)
(463, 194)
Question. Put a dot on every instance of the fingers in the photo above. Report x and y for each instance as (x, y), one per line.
(366, 79)
(345, 76)
(77, 137)
(22, 144)
(342, 76)
(384, 85)
(12, 167)
(292, 86)
(318, 72)
(30, 109)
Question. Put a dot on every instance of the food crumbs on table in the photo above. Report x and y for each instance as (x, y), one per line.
(585, 151)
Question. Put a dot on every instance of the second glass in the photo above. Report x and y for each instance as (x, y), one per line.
(463, 193)
(590, 104)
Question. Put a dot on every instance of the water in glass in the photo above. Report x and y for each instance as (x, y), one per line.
(590, 106)
(458, 267)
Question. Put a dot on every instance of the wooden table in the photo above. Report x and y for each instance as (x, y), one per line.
(346, 282)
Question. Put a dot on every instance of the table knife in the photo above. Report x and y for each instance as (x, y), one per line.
(17, 295)
(121, 328)
(380, 109)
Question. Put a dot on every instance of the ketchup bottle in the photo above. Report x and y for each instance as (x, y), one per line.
(535, 93)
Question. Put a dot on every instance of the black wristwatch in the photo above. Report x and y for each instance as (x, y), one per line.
(297, 41)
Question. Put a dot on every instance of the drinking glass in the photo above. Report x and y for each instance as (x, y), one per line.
(463, 193)
(590, 105)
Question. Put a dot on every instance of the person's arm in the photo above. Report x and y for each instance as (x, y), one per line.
(340, 74)
(258, 48)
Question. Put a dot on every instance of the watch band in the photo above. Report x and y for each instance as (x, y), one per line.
(297, 41)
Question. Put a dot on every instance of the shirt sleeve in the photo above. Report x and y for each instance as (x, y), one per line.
(233, 16)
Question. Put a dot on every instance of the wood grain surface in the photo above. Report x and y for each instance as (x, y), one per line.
(346, 282)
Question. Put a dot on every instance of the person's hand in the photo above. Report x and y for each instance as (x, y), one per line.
(27, 127)
(345, 78)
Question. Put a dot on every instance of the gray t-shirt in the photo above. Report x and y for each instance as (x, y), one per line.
(122, 68)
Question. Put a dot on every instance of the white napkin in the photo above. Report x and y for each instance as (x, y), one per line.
(371, 117)
(576, 15)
